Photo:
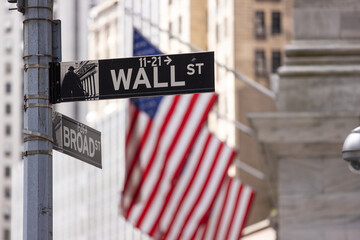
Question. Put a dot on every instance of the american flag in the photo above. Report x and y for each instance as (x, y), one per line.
(174, 166)
(161, 133)
(228, 216)
(189, 201)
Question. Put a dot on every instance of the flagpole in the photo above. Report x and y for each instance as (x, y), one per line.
(249, 169)
(141, 12)
(247, 130)
(267, 92)
(132, 32)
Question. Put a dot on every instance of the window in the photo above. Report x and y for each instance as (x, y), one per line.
(276, 23)
(108, 38)
(171, 28)
(8, 26)
(6, 234)
(259, 24)
(8, 46)
(275, 61)
(260, 63)
(8, 130)
(7, 214)
(180, 25)
(8, 88)
(7, 149)
(7, 172)
(7, 192)
(8, 68)
(96, 43)
(8, 108)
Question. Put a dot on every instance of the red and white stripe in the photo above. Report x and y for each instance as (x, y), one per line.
(157, 148)
(190, 200)
(230, 211)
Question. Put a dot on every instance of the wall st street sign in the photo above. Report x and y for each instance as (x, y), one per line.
(132, 77)
(76, 139)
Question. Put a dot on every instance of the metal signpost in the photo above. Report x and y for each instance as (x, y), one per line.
(76, 139)
(37, 154)
(132, 77)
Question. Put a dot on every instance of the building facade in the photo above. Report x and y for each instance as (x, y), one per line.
(185, 25)
(318, 105)
(92, 202)
(11, 89)
(248, 37)
(73, 16)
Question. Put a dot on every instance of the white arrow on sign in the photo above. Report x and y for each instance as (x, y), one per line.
(167, 60)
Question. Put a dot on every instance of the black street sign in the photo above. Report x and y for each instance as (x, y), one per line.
(132, 77)
(76, 139)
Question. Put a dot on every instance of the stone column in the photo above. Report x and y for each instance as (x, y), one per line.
(318, 104)
(322, 64)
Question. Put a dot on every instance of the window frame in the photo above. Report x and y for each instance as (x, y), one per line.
(8, 88)
(7, 171)
(260, 68)
(8, 109)
(259, 24)
(8, 130)
(276, 56)
(276, 27)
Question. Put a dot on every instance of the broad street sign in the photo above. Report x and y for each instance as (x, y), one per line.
(76, 139)
(132, 77)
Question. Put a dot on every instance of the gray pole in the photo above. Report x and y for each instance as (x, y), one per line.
(37, 120)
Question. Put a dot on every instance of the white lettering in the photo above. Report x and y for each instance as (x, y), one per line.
(173, 82)
(66, 137)
(121, 78)
(190, 68)
(156, 79)
(91, 147)
(73, 139)
(199, 65)
(85, 147)
(78, 140)
(79, 143)
(141, 78)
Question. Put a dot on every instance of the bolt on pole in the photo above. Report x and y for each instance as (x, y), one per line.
(37, 30)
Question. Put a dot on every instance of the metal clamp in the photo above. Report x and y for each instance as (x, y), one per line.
(35, 96)
(36, 136)
(38, 55)
(38, 19)
(27, 66)
(33, 105)
(36, 152)
(39, 7)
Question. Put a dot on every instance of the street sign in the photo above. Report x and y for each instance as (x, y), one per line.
(76, 139)
(132, 77)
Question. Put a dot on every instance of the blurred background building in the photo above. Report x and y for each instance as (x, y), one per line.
(175, 26)
(74, 16)
(318, 105)
(11, 89)
(248, 37)
(290, 155)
